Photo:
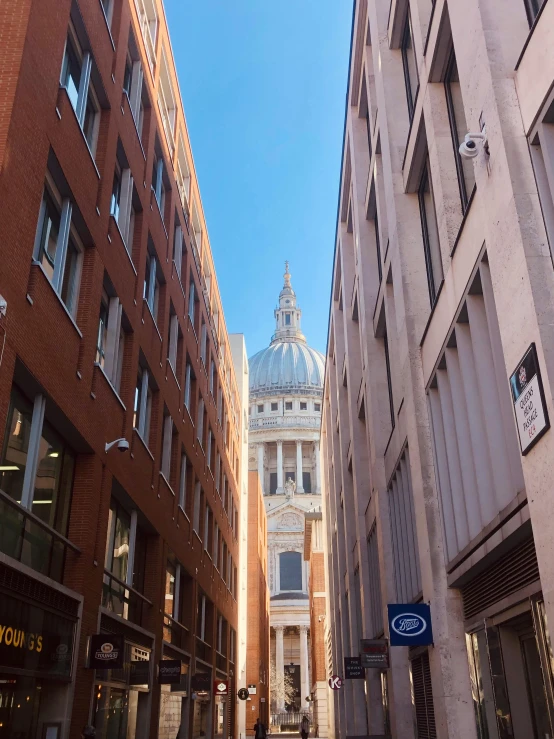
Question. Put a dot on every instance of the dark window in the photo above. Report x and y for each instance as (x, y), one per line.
(303, 406)
(261, 408)
(317, 407)
(410, 66)
(274, 406)
(532, 8)
(378, 246)
(290, 568)
(288, 406)
(307, 482)
(423, 697)
(272, 483)
(430, 233)
(389, 378)
(368, 126)
(287, 319)
(458, 127)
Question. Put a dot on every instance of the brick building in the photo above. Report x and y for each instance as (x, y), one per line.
(314, 554)
(113, 330)
(257, 623)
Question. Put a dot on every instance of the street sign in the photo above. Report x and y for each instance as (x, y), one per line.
(221, 687)
(335, 682)
(243, 694)
(528, 398)
(353, 669)
(410, 625)
(374, 653)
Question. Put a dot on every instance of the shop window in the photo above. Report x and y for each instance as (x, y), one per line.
(36, 471)
(290, 571)
(124, 564)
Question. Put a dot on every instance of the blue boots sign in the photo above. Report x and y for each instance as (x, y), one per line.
(410, 625)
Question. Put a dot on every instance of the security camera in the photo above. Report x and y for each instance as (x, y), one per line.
(468, 148)
(122, 445)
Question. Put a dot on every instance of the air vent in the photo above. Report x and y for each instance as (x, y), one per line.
(514, 571)
(18, 582)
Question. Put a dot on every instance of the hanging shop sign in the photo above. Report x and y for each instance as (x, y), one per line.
(410, 625)
(200, 682)
(221, 687)
(34, 639)
(243, 694)
(106, 652)
(529, 402)
(374, 653)
(335, 682)
(353, 669)
(169, 672)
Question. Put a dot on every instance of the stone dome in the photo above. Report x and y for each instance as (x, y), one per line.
(288, 364)
(286, 367)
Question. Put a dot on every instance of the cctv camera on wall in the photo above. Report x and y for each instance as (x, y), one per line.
(469, 149)
(122, 445)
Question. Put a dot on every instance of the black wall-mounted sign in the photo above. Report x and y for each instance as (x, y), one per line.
(529, 402)
(106, 652)
(169, 672)
(374, 653)
(33, 639)
(201, 682)
(353, 669)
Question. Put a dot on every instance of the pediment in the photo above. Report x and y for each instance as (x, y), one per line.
(286, 517)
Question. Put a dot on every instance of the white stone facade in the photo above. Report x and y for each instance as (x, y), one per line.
(286, 382)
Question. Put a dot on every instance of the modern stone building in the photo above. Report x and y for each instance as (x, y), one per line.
(438, 459)
(111, 330)
(286, 382)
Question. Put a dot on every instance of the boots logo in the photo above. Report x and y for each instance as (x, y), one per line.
(408, 624)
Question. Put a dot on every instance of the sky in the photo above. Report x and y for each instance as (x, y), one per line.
(263, 86)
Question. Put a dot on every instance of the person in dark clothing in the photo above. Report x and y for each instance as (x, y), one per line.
(304, 727)
(260, 732)
(88, 732)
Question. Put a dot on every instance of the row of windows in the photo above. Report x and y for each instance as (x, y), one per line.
(288, 406)
(61, 251)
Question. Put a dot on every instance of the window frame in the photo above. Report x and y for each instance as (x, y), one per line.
(407, 33)
(425, 179)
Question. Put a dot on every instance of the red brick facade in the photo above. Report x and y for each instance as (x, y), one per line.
(51, 351)
(257, 634)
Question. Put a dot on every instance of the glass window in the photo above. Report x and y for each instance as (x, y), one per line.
(117, 545)
(458, 126)
(429, 228)
(274, 406)
(116, 193)
(260, 408)
(151, 285)
(54, 480)
(71, 73)
(70, 282)
(102, 330)
(90, 120)
(169, 588)
(16, 446)
(410, 65)
(49, 231)
(287, 319)
(288, 405)
(303, 406)
(317, 407)
(290, 571)
(532, 8)
(142, 405)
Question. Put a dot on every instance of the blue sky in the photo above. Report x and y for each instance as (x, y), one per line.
(263, 85)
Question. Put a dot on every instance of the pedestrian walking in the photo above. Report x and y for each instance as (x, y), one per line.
(260, 732)
(88, 732)
(304, 727)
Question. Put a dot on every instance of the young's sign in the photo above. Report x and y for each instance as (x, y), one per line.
(410, 625)
(106, 652)
(529, 404)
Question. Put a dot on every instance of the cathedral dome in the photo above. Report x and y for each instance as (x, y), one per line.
(288, 364)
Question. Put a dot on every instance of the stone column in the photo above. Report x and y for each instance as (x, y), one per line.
(317, 471)
(279, 655)
(261, 465)
(280, 481)
(304, 674)
(299, 477)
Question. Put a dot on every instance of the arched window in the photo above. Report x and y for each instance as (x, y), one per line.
(290, 569)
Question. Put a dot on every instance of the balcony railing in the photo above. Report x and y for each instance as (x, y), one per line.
(177, 634)
(285, 421)
(122, 599)
(26, 538)
(145, 27)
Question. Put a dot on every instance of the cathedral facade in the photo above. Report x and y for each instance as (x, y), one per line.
(286, 386)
